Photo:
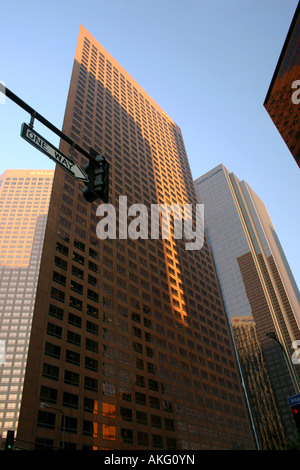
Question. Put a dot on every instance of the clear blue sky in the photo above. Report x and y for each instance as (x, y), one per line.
(207, 63)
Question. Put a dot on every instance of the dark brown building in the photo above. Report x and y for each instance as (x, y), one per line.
(283, 98)
(130, 345)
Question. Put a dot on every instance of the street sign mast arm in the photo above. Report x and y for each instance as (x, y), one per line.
(43, 120)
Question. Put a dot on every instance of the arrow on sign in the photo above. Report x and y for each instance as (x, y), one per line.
(48, 149)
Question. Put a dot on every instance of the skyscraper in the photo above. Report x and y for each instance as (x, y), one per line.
(260, 295)
(130, 344)
(24, 203)
(283, 98)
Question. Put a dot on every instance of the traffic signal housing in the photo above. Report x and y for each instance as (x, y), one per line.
(97, 171)
(295, 409)
(10, 437)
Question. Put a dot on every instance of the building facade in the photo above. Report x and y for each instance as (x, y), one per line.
(283, 98)
(260, 295)
(130, 346)
(24, 203)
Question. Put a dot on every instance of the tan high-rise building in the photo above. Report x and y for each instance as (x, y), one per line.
(130, 344)
(24, 204)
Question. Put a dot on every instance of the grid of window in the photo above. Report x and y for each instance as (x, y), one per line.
(24, 196)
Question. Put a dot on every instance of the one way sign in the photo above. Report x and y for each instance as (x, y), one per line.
(48, 149)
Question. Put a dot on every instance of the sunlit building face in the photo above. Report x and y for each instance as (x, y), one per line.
(24, 205)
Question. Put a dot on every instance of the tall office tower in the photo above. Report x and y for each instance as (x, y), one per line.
(24, 203)
(283, 98)
(258, 291)
(130, 344)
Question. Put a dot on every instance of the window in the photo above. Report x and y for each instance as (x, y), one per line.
(91, 364)
(92, 253)
(74, 320)
(78, 258)
(140, 380)
(142, 438)
(153, 385)
(48, 395)
(59, 278)
(76, 287)
(62, 248)
(141, 417)
(50, 372)
(75, 303)
(71, 378)
(169, 424)
(72, 357)
(91, 345)
(90, 384)
(92, 280)
(90, 405)
(52, 350)
(92, 266)
(57, 294)
(77, 272)
(92, 327)
(88, 427)
(46, 419)
(61, 263)
(54, 330)
(70, 424)
(93, 295)
(140, 398)
(157, 441)
(93, 311)
(79, 245)
(109, 410)
(73, 338)
(154, 402)
(125, 394)
(156, 421)
(56, 312)
(171, 443)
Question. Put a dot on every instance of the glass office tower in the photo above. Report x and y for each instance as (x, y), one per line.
(130, 344)
(283, 98)
(24, 203)
(260, 295)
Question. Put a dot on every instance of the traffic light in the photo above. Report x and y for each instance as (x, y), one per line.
(296, 414)
(98, 179)
(10, 437)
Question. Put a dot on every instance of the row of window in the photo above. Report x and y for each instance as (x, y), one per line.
(179, 372)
